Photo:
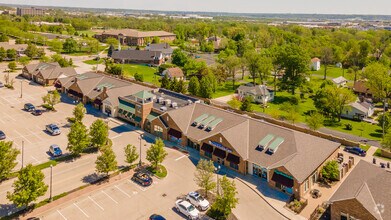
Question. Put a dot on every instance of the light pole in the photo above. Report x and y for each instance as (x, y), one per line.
(51, 183)
(140, 138)
(21, 88)
(22, 153)
(217, 177)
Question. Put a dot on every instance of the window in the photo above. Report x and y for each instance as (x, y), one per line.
(344, 216)
(207, 154)
(138, 107)
(306, 186)
(234, 166)
(221, 139)
(158, 131)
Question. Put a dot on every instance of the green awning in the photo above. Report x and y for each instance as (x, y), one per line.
(152, 116)
(126, 106)
(136, 118)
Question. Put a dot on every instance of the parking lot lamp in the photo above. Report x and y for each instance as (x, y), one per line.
(22, 153)
(21, 88)
(140, 138)
(217, 177)
(51, 183)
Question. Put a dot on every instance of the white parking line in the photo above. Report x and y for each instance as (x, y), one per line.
(96, 203)
(21, 135)
(122, 191)
(9, 116)
(109, 196)
(116, 136)
(139, 187)
(62, 215)
(81, 210)
(35, 159)
(35, 134)
(180, 157)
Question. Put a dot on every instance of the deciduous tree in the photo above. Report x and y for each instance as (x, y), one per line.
(106, 161)
(315, 121)
(99, 133)
(226, 200)
(204, 176)
(78, 139)
(194, 86)
(52, 99)
(79, 111)
(330, 170)
(156, 153)
(131, 154)
(8, 156)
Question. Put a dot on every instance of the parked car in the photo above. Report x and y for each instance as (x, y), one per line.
(55, 150)
(53, 129)
(2, 135)
(29, 107)
(187, 209)
(156, 217)
(197, 200)
(37, 112)
(1, 85)
(356, 150)
(142, 179)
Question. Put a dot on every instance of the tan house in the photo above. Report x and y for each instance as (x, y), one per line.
(47, 73)
(287, 160)
(133, 37)
(365, 194)
(174, 72)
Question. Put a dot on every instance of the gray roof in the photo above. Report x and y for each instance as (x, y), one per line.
(50, 70)
(255, 90)
(162, 47)
(369, 185)
(143, 55)
(361, 106)
(300, 153)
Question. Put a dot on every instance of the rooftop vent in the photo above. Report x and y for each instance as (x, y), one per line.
(213, 124)
(264, 142)
(199, 119)
(189, 102)
(160, 100)
(167, 102)
(174, 104)
(205, 122)
(273, 147)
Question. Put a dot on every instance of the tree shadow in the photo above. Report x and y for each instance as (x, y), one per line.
(280, 99)
(379, 131)
(376, 135)
(91, 178)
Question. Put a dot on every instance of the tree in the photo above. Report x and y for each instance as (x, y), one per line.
(194, 86)
(295, 60)
(24, 61)
(139, 77)
(11, 54)
(226, 201)
(12, 66)
(181, 87)
(315, 121)
(115, 70)
(8, 156)
(52, 98)
(173, 84)
(70, 45)
(3, 53)
(99, 133)
(247, 104)
(330, 170)
(28, 187)
(79, 111)
(234, 102)
(206, 88)
(165, 84)
(386, 142)
(293, 114)
(179, 58)
(56, 45)
(4, 38)
(232, 63)
(106, 161)
(78, 139)
(384, 120)
(110, 51)
(156, 153)
(378, 80)
(327, 59)
(204, 176)
(111, 41)
(33, 51)
(131, 154)
(265, 67)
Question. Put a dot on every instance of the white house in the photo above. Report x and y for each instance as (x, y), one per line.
(260, 93)
(315, 64)
(358, 110)
(340, 81)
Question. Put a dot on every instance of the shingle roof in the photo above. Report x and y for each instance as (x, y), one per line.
(369, 185)
(144, 94)
(136, 55)
(175, 72)
(300, 153)
(315, 59)
(359, 86)
(162, 47)
(255, 90)
(136, 33)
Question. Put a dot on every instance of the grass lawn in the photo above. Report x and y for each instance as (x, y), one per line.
(225, 89)
(148, 72)
(334, 72)
(93, 62)
(160, 172)
(378, 154)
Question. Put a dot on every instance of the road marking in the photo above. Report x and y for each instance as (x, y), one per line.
(116, 136)
(122, 191)
(81, 210)
(96, 203)
(109, 196)
(35, 134)
(138, 186)
(22, 136)
(9, 116)
(35, 159)
(62, 215)
(183, 156)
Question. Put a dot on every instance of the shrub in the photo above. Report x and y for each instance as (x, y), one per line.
(139, 77)
(330, 170)
(348, 126)
(294, 100)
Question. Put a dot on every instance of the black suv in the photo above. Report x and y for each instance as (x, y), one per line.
(29, 107)
(142, 179)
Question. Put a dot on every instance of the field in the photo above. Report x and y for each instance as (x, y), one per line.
(146, 71)
(333, 72)
(93, 62)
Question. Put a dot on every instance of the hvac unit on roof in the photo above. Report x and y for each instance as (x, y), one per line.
(189, 102)
(174, 105)
(163, 108)
(160, 100)
(167, 102)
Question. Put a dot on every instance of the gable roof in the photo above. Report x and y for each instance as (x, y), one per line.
(339, 80)
(244, 134)
(144, 55)
(359, 86)
(175, 72)
(255, 90)
(361, 106)
(315, 59)
(162, 47)
(369, 185)
(136, 33)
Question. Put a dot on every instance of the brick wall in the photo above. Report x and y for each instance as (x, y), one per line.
(351, 207)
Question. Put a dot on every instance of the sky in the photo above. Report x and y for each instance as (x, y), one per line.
(377, 7)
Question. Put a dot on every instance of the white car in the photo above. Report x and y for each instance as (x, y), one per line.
(197, 200)
(187, 209)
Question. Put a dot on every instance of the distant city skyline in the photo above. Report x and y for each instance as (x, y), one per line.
(373, 7)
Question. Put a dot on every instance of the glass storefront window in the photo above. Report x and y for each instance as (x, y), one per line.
(207, 154)
(234, 166)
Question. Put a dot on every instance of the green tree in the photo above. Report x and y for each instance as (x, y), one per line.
(52, 99)
(181, 87)
(12, 66)
(79, 111)
(78, 139)
(295, 60)
(206, 89)
(330, 170)
(247, 104)
(265, 67)
(386, 119)
(234, 102)
(11, 54)
(315, 121)
(232, 63)
(70, 45)
(292, 113)
(8, 156)
(194, 86)
(3, 54)
(4, 38)
(110, 51)
(131, 154)
(24, 61)
(139, 77)
(174, 84)
(156, 153)
(99, 133)
(327, 59)
(386, 142)
(56, 45)
(253, 64)
(226, 201)
(33, 51)
(111, 41)
(166, 83)
(204, 176)
(28, 187)
(179, 58)
(106, 161)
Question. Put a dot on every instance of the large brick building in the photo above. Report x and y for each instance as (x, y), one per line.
(133, 37)
(30, 11)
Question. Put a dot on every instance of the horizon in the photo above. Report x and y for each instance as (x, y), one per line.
(196, 9)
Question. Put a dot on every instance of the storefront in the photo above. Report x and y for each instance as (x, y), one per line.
(283, 181)
(174, 135)
(260, 171)
(193, 144)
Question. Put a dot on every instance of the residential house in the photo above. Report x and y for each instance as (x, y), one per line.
(285, 159)
(358, 110)
(138, 56)
(360, 88)
(365, 194)
(47, 73)
(133, 37)
(216, 42)
(259, 93)
(340, 81)
(174, 72)
(164, 48)
(315, 64)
